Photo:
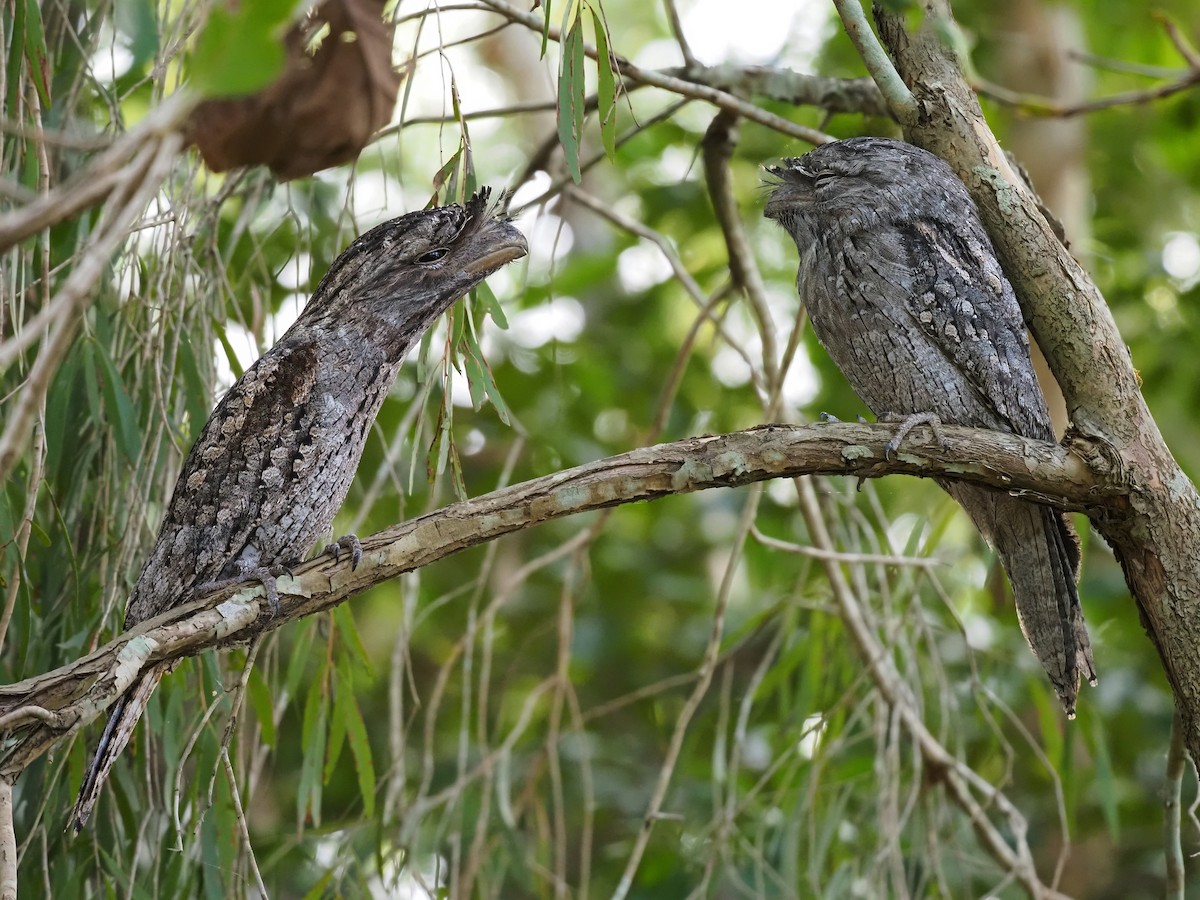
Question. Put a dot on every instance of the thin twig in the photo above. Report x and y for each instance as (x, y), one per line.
(243, 826)
(704, 675)
(626, 69)
(689, 57)
(882, 559)
(1172, 812)
(99, 178)
(958, 778)
(680, 271)
(875, 58)
(131, 201)
(8, 843)
(718, 145)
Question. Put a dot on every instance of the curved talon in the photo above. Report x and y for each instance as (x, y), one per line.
(264, 575)
(907, 424)
(348, 542)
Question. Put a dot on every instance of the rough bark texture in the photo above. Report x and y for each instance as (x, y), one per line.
(1156, 537)
(904, 290)
(39, 712)
(276, 458)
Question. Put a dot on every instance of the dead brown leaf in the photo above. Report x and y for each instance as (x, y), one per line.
(324, 107)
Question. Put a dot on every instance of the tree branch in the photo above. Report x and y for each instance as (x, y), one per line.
(683, 88)
(56, 704)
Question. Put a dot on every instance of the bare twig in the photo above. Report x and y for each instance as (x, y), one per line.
(718, 144)
(680, 271)
(628, 70)
(882, 559)
(94, 183)
(677, 29)
(243, 827)
(139, 185)
(1049, 108)
(958, 779)
(1173, 813)
(8, 843)
(704, 675)
(899, 98)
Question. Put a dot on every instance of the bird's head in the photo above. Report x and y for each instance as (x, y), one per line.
(401, 275)
(860, 184)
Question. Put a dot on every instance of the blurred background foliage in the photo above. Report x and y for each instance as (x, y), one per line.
(497, 723)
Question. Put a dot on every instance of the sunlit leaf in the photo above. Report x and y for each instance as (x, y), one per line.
(606, 90)
(571, 96)
(35, 50)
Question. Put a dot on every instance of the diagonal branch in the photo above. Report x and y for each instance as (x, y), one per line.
(56, 704)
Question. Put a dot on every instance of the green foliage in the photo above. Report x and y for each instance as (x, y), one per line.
(500, 719)
(239, 51)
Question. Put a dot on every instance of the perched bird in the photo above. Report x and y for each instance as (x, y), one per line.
(904, 291)
(275, 460)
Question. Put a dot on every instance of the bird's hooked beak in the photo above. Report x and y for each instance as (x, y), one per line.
(499, 243)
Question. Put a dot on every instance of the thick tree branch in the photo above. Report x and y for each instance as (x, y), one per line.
(1156, 540)
(56, 704)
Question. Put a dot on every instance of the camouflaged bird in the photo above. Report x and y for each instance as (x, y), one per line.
(904, 291)
(276, 458)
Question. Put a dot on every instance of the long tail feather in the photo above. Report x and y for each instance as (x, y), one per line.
(121, 722)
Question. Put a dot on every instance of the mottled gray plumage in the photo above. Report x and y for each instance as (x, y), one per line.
(905, 292)
(276, 458)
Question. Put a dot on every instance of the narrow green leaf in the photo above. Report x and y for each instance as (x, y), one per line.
(298, 655)
(210, 837)
(442, 175)
(195, 391)
(35, 51)
(606, 87)
(1105, 782)
(230, 355)
(458, 323)
(320, 889)
(545, 29)
(476, 382)
(337, 731)
(571, 97)
(360, 747)
(118, 406)
(439, 451)
(136, 18)
(343, 617)
(312, 737)
(483, 297)
(90, 383)
(59, 404)
(16, 55)
(263, 705)
(479, 371)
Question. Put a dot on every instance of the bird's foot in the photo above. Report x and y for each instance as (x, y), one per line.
(907, 424)
(264, 575)
(350, 543)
